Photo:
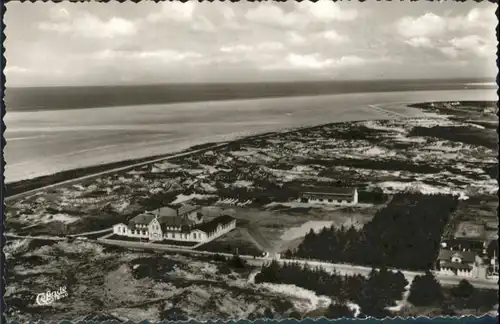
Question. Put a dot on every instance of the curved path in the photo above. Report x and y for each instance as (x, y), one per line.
(46, 142)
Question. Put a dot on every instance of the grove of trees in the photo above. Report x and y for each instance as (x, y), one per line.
(426, 291)
(404, 235)
(381, 289)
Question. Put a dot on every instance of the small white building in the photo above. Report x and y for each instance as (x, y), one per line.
(185, 224)
(330, 196)
(460, 263)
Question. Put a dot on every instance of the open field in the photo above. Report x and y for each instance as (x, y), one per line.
(476, 219)
(276, 230)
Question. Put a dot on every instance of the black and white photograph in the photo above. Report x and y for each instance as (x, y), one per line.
(211, 161)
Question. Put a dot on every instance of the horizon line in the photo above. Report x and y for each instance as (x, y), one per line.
(470, 80)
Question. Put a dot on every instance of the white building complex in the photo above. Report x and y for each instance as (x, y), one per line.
(330, 196)
(461, 263)
(182, 226)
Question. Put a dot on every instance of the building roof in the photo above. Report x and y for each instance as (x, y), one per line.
(457, 266)
(166, 221)
(465, 243)
(166, 212)
(186, 209)
(144, 218)
(211, 226)
(166, 215)
(330, 191)
(466, 256)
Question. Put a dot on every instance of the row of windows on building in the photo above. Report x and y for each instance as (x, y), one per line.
(328, 200)
(123, 230)
(155, 227)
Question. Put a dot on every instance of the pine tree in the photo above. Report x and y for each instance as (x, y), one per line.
(425, 290)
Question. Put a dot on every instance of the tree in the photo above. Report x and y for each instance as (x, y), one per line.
(174, 314)
(268, 313)
(425, 290)
(383, 288)
(295, 315)
(447, 309)
(463, 290)
(338, 310)
(352, 286)
(238, 262)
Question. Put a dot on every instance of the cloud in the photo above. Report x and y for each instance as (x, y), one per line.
(262, 47)
(168, 56)
(305, 13)
(295, 38)
(333, 36)
(90, 26)
(351, 60)
(454, 36)
(315, 61)
(228, 13)
(476, 18)
(311, 61)
(15, 69)
(270, 46)
(185, 13)
(270, 14)
(236, 48)
(278, 37)
(474, 44)
(174, 11)
(427, 25)
(326, 11)
(449, 51)
(420, 41)
(59, 13)
(432, 25)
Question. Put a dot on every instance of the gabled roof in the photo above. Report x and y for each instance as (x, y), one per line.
(185, 209)
(466, 256)
(341, 191)
(166, 212)
(211, 226)
(166, 218)
(465, 243)
(174, 222)
(144, 218)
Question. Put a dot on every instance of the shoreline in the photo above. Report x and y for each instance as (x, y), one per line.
(22, 188)
(31, 187)
(27, 187)
(87, 173)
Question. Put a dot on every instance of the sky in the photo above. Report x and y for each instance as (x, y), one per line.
(127, 43)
